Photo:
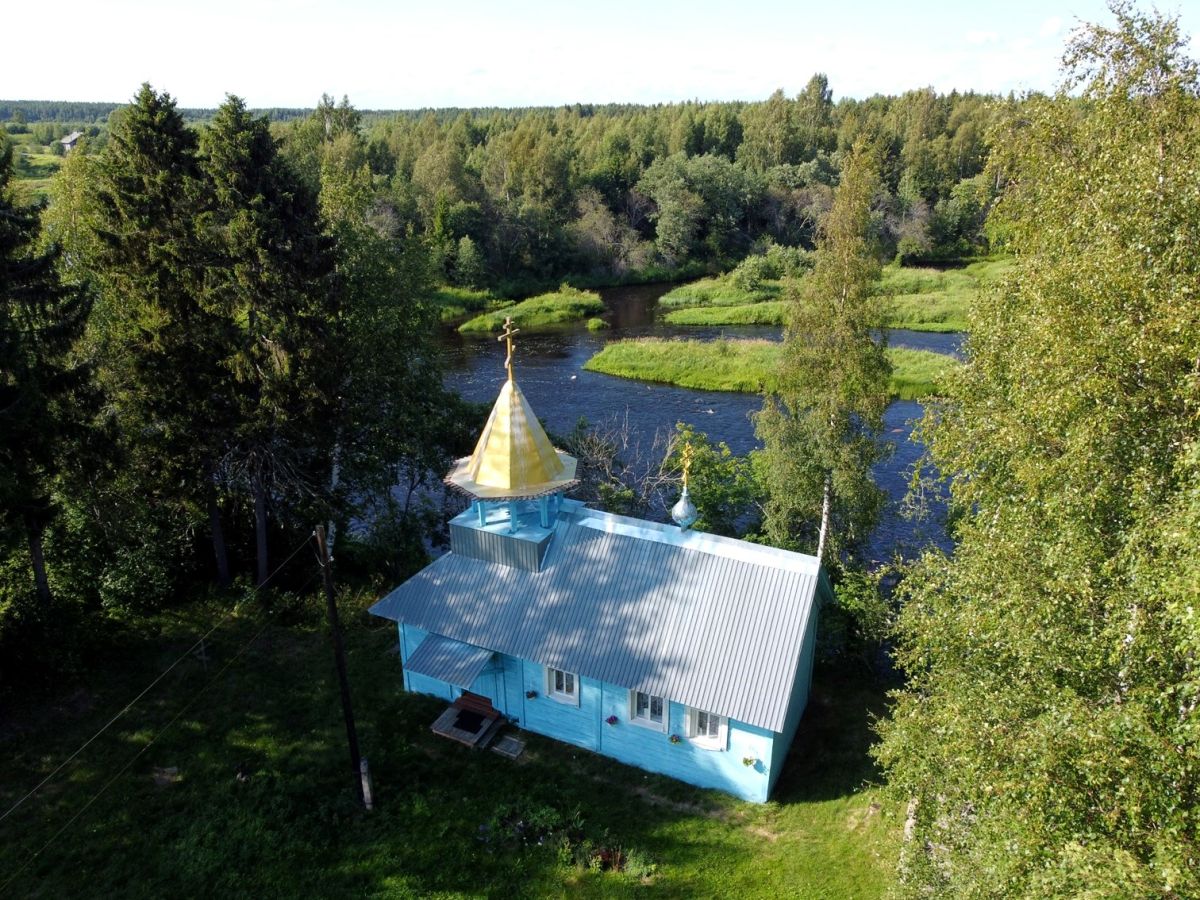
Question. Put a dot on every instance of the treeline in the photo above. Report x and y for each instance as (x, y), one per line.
(203, 354)
(517, 199)
(25, 112)
(613, 191)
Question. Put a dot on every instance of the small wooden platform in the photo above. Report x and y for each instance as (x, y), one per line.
(509, 746)
(480, 708)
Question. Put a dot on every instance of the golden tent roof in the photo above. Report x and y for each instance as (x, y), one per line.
(513, 458)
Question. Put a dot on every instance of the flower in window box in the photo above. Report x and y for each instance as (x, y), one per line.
(612, 720)
(675, 739)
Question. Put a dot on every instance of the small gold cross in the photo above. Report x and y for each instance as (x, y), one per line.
(509, 331)
(687, 462)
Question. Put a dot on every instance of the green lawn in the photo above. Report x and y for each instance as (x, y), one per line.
(445, 822)
(745, 365)
(563, 306)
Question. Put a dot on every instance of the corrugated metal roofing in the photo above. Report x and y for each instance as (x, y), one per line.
(448, 660)
(713, 623)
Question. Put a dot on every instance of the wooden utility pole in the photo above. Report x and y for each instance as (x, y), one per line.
(339, 655)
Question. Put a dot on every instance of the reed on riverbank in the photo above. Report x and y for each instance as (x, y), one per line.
(747, 366)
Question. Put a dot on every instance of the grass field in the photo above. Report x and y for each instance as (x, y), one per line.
(543, 312)
(34, 168)
(445, 823)
(746, 365)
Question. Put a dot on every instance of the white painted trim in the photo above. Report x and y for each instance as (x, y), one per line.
(704, 742)
(648, 722)
(561, 696)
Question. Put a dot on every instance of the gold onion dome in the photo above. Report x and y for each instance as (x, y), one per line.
(513, 458)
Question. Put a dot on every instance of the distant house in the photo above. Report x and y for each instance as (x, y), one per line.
(676, 651)
(71, 140)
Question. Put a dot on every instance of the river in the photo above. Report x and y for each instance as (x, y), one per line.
(549, 368)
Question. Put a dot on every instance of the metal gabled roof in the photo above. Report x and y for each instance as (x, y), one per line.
(713, 623)
(448, 660)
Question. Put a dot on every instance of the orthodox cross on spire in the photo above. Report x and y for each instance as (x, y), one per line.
(687, 463)
(507, 336)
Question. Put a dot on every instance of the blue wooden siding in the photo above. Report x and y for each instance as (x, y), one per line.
(579, 725)
(508, 679)
(650, 749)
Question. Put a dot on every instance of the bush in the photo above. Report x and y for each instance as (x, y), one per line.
(752, 272)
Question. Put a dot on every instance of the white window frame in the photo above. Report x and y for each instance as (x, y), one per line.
(645, 721)
(720, 741)
(571, 697)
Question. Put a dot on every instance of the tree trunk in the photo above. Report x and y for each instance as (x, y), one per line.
(334, 475)
(34, 531)
(826, 503)
(218, 540)
(260, 527)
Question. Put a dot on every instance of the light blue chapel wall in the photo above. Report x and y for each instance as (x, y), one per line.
(514, 687)
(650, 749)
(579, 725)
(410, 639)
(801, 686)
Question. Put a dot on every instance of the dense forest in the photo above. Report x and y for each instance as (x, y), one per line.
(519, 198)
(219, 331)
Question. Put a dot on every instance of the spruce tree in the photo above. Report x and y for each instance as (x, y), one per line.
(161, 347)
(270, 276)
(46, 400)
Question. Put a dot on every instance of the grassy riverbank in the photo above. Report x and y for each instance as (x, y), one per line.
(769, 312)
(565, 305)
(719, 291)
(457, 302)
(936, 299)
(176, 820)
(915, 298)
(747, 366)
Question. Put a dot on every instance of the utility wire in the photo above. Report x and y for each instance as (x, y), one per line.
(149, 687)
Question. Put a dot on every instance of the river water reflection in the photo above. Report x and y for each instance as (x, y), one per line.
(550, 370)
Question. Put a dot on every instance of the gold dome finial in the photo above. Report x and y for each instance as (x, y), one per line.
(687, 463)
(507, 336)
(513, 458)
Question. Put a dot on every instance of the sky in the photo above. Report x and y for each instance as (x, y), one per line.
(438, 53)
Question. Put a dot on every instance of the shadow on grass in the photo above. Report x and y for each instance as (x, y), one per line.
(830, 755)
(290, 824)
